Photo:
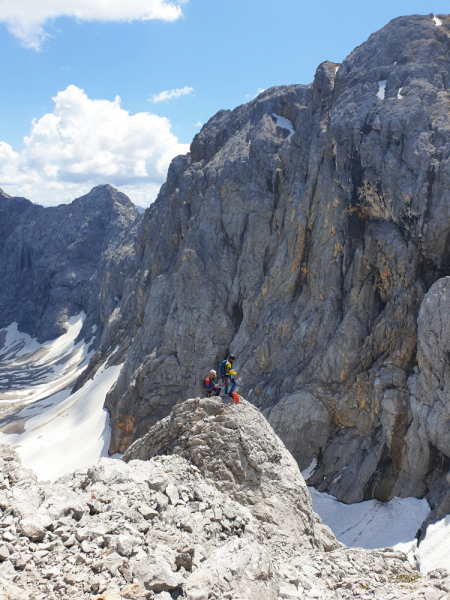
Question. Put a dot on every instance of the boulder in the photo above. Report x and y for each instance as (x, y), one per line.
(33, 529)
(156, 574)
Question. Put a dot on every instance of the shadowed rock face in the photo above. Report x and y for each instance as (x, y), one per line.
(309, 256)
(54, 261)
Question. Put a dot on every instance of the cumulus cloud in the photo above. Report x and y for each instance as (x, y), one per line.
(85, 142)
(169, 94)
(258, 91)
(26, 18)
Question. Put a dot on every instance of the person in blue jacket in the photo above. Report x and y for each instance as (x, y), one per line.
(228, 375)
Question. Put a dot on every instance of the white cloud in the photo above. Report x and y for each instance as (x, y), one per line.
(26, 18)
(85, 142)
(258, 91)
(169, 94)
(198, 124)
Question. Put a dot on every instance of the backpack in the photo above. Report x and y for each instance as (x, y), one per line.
(223, 367)
(204, 384)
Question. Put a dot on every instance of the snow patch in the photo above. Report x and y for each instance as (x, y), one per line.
(434, 550)
(381, 89)
(16, 344)
(55, 433)
(399, 94)
(284, 124)
(31, 371)
(69, 433)
(310, 470)
(437, 21)
(373, 524)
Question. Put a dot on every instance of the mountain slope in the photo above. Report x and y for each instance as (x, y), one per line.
(217, 526)
(308, 249)
(53, 260)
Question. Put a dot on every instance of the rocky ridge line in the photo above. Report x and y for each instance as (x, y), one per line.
(165, 528)
(58, 261)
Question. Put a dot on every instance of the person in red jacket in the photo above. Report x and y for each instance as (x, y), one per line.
(212, 389)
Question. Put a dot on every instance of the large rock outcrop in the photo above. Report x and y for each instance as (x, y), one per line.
(239, 525)
(234, 447)
(58, 261)
(303, 231)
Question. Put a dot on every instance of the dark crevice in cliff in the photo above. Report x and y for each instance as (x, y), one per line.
(438, 465)
(357, 176)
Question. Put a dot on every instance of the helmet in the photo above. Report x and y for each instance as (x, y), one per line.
(231, 357)
(213, 373)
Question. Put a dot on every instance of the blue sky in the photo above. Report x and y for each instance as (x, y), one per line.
(224, 51)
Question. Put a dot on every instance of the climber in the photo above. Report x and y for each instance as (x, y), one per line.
(228, 375)
(212, 389)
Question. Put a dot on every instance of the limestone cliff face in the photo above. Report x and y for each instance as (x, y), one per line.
(58, 261)
(305, 232)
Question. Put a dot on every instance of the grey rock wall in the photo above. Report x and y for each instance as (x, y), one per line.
(58, 261)
(311, 257)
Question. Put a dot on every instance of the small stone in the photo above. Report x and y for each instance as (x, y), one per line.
(432, 593)
(162, 502)
(8, 536)
(71, 541)
(172, 494)
(82, 534)
(32, 529)
(147, 512)
(51, 572)
(133, 592)
(126, 544)
(4, 553)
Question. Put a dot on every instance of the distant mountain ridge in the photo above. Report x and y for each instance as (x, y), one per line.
(53, 259)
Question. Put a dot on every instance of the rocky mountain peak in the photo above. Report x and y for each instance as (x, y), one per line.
(104, 194)
(166, 528)
(49, 256)
(234, 447)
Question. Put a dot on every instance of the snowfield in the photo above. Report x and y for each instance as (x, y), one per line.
(55, 432)
(66, 432)
(30, 371)
(373, 524)
(394, 524)
(434, 550)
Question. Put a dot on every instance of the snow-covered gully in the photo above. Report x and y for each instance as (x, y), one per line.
(54, 431)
